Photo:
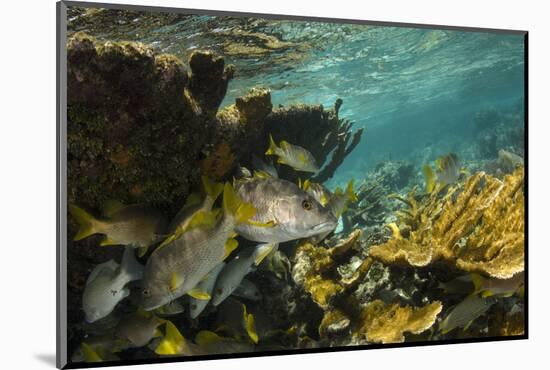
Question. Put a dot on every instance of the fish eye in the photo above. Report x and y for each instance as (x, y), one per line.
(307, 205)
(194, 306)
(219, 291)
(146, 292)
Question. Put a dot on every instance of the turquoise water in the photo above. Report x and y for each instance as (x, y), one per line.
(409, 88)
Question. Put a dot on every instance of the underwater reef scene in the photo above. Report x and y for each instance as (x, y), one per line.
(239, 185)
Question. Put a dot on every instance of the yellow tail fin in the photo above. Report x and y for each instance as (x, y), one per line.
(349, 191)
(230, 245)
(272, 150)
(172, 342)
(211, 188)
(429, 176)
(478, 282)
(90, 355)
(87, 222)
(259, 174)
(250, 325)
(199, 294)
(233, 205)
(262, 251)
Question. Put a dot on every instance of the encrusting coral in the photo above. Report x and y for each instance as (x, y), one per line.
(316, 270)
(312, 262)
(477, 227)
(387, 323)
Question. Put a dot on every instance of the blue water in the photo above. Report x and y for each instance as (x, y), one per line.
(407, 87)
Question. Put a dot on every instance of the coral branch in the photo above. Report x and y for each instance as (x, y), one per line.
(479, 228)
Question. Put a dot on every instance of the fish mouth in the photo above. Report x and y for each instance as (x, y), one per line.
(324, 226)
(150, 306)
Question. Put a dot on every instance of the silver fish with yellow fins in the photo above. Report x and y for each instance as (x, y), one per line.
(176, 268)
(292, 155)
(488, 287)
(291, 212)
(106, 285)
(234, 272)
(136, 226)
(339, 201)
(464, 313)
(447, 171)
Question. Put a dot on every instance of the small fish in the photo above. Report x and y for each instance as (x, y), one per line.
(292, 155)
(196, 306)
(247, 290)
(177, 268)
(447, 171)
(234, 272)
(291, 212)
(263, 167)
(138, 328)
(466, 312)
(317, 191)
(106, 285)
(135, 226)
(498, 287)
(235, 320)
(509, 161)
(338, 202)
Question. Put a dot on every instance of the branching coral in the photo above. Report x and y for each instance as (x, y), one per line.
(387, 323)
(477, 228)
(369, 208)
